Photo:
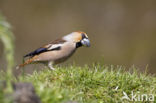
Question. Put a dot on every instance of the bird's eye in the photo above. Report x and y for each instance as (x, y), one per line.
(83, 35)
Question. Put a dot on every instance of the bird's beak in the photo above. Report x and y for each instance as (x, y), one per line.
(85, 42)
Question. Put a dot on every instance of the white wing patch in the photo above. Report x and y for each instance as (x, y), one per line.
(53, 46)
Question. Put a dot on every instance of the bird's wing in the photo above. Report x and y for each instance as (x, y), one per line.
(56, 45)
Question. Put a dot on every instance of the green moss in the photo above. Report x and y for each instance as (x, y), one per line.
(97, 84)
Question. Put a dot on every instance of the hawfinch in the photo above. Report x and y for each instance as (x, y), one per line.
(57, 51)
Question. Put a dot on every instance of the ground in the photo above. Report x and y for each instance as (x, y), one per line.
(92, 84)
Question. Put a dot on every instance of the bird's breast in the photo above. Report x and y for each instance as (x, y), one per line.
(57, 56)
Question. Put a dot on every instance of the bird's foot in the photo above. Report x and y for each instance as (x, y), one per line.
(50, 66)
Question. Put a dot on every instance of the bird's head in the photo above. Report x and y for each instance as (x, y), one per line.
(80, 38)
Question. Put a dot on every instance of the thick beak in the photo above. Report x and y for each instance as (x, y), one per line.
(85, 42)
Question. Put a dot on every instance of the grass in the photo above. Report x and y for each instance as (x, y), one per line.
(95, 84)
(7, 38)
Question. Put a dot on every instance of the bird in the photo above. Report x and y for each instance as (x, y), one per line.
(57, 51)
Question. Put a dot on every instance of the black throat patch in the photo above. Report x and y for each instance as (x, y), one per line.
(78, 44)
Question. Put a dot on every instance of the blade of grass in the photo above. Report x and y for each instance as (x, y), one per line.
(7, 38)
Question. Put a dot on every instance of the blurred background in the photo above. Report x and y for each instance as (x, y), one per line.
(122, 32)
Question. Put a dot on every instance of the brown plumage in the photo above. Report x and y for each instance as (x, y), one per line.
(57, 51)
(28, 61)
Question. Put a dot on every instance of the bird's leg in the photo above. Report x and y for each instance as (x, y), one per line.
(50, 65)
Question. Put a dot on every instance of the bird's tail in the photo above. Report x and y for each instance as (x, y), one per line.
(25, 63)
